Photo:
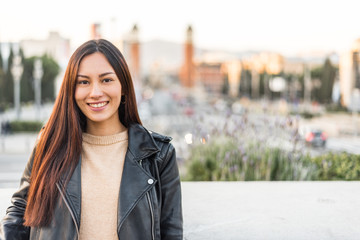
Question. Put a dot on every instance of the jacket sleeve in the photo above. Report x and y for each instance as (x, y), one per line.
(171, 222)
(11, 226)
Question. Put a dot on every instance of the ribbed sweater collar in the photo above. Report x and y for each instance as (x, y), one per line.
(105, 140)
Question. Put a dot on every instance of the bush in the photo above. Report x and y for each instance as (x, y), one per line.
(307, 115)
(336, 108)
(228, 162)
(342, 166)
(262, 148)
(25, 126)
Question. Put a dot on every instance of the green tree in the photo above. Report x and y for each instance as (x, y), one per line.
(9, 81)
(326, 77)
(2, 83)
(245, 83)
(262, 84)
(327, 81)
(27, 81)
(316, 75)
(50, 70)
(1, 61)
(225, 86)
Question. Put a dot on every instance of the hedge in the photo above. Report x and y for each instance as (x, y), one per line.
(228, 162)
(25, 126)
(260, 147)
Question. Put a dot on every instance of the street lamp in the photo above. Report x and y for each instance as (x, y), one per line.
(355, 104)
(16, 71)
(307, 86)
(37, 74)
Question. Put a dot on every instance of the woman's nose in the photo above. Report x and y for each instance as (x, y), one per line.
(96, 91)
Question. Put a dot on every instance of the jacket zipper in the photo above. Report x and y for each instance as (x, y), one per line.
(152, 215)
(151, 211)
(71, 213)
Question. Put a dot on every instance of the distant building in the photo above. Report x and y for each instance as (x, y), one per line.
(218, 71)
(233, 71)
(187, 72)
(271, 63)
(54, 46)
(211, 76)
(95, 31)
(267, 63)
(349, 69)
(294, 66)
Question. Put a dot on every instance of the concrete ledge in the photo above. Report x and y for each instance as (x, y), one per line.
(265, 210)
(17, 143)
(271, 210)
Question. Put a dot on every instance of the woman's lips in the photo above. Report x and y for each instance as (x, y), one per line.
(97, 106)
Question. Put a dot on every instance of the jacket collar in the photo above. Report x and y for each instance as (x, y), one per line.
(141, 143)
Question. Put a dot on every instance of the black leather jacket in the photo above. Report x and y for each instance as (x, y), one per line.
(149, 201)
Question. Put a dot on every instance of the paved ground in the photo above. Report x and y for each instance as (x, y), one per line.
(11, 169)
(17, 143)
(272, 210)
(265, 210)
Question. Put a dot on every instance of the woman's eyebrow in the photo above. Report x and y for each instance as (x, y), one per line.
(83, 76)
(100, 75)
(106, 73)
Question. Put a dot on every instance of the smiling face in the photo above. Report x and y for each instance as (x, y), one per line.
(98, 94)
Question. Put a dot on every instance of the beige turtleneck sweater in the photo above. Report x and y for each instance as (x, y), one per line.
(101, 170)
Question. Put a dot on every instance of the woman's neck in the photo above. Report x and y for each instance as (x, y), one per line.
(104, 129)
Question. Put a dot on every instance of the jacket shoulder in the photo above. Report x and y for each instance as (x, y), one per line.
(166, 152)
(159, 137)
(166, 149)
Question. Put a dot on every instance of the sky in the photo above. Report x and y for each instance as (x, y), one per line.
(289, 27)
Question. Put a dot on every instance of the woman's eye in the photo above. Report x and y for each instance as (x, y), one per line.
(106, 80)
(83, 82)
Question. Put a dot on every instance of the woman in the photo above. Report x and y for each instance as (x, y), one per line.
(96, 172)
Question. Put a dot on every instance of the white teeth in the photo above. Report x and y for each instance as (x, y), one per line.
(97, 105)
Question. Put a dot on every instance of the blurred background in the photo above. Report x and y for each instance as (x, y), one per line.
(249, 90)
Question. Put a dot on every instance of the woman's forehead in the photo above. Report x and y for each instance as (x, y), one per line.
(95, 63)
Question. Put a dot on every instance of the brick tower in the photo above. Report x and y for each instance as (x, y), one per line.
(135, 56)
(95, 31)
(187, 70)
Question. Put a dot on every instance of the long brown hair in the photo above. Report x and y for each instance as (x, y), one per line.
(59, 148)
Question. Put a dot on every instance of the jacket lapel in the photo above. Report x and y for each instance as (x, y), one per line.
(135, 180)
(73, 192)
(134, 185)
